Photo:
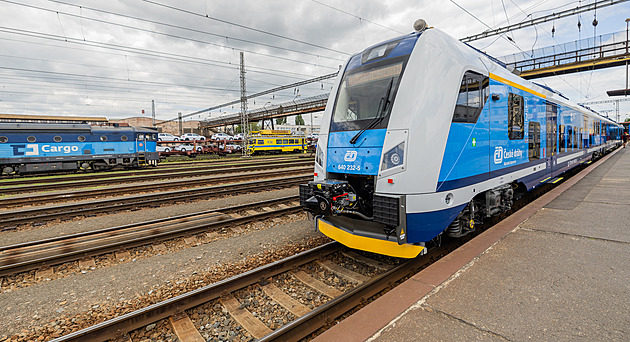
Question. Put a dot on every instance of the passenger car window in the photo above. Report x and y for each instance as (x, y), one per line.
(473, 92)
(534, 140)
(516, 117)
(81, 138)
(123, 138)
(57, 138)
(3, 139)
(31, 139)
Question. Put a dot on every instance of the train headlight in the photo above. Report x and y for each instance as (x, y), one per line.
(394, 157)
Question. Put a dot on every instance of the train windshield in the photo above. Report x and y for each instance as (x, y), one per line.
(367, 93)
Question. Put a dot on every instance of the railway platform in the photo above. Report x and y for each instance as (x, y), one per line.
(556, 270)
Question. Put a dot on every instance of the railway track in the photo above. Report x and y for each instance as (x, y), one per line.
(25, 185)
(53, 251)
(281, 282)
(343, 280)
(39, 214)
(49, 198)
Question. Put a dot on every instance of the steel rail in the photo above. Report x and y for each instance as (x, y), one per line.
(133, 201)
(77, 246)
(117, 326)
(163, 169)
(144, 178)
(49, 198)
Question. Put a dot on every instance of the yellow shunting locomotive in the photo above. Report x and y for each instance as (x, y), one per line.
(275, 141)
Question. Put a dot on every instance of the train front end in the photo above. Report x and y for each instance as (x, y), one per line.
(353, 152)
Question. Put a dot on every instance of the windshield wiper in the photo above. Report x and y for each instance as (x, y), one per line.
(380, 113)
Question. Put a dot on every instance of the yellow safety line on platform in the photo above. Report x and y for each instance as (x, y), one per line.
(515, 85)
(369, 244)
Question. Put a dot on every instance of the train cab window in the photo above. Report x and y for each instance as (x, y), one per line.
(516, 117)
(154, 137)
(3, 139)
(31, 139)
(103, 138)
(562, 139)
(534, 140)
(81, 138)
(473, 92)
(123, 138)
(57, 138)
(140, 137)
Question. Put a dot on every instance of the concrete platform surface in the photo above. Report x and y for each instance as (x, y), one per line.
(561, 275)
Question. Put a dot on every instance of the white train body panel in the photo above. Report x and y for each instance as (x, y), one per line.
(454, 134)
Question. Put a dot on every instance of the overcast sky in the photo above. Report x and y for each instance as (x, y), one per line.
(111, 58)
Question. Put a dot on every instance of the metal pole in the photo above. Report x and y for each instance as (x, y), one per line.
(180, 123)
(153, 111)
(627, 42)
(244, 118)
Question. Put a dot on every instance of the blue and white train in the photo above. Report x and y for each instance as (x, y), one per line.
(34, 147)
(424, 135)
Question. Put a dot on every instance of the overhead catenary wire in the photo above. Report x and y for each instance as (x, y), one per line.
(356, 16)
(171, 35)
(243, 26)
(147, 52)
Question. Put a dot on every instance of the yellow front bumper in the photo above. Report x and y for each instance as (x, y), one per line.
(363, 243)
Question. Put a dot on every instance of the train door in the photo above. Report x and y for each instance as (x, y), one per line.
(141, 143)
(552, 136)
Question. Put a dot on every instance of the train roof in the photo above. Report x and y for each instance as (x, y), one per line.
(50, 118)
(47, 127)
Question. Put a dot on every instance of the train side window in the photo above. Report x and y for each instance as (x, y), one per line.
(123, 138)
(31, 139)
(57, 138)
(285, 141)
(473, 92)
(552, 128)
(562, 138)
(516, 117)
(261, 142)
(103, 138)
(278, 141)
(3, 139)
(81, 138)
(569, 138)
(534, 140)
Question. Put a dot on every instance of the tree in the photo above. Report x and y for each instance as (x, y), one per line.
(281, 120)
(626, 120)
(299, 120)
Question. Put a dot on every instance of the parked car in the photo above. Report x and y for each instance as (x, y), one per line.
(239, 136)
(167, 137)
(192, 136)
(188, 147)
(221, 136)
(160, 148)
(232, 148)
(313, 136)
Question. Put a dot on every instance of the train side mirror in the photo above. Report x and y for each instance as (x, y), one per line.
(496, 97)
